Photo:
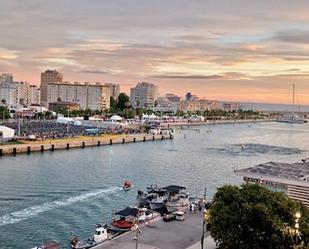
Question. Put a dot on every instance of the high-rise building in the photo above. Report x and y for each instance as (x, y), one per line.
(114, 90)
(49, 76)
(6, 78)
(17, 92)
(93, 97)
(34, 95)
(143, 95)
(8, 94)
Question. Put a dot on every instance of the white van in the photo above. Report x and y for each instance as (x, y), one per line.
(180, 216)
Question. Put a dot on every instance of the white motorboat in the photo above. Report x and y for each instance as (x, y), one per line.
(177, 202)
(102, 234)
(158, 202)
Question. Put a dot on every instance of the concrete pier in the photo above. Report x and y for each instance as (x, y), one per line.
(82, 142)
(162, 235)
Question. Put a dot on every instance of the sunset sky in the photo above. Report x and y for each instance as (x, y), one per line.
(218, 49)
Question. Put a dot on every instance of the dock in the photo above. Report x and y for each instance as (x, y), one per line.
(81, 142)
(162, 235)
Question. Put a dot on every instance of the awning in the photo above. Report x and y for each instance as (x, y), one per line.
(127, 212)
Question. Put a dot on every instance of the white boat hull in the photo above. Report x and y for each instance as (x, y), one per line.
(156, 205)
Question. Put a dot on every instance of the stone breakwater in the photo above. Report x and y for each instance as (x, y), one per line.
(82, 142)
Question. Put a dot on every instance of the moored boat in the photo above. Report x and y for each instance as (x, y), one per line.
(158, 202)
(177, 198)
(171, 197)
(102, 234)
(125, 219)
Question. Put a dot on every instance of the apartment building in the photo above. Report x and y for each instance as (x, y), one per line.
(143, 95)
(49, 76)
(88, 96)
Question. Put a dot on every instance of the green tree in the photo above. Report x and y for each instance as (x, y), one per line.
(253, 217)
(113, 103)
(4, 112)
(123, 101)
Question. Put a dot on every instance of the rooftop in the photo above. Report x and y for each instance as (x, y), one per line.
(298, 172)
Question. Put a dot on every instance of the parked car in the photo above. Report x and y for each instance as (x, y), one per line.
(180, 216)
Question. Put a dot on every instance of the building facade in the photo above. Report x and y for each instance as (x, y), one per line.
(198, 105)
(88, 96)
(289, 178)
(49, 76)
(34, 94)
(143, 95)
(114, 90)
(6, 78)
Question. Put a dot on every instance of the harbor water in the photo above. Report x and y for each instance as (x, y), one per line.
(48, 196)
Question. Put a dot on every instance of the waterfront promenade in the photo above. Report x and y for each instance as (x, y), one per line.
(215, 122)
(163, 235)
(79, 142)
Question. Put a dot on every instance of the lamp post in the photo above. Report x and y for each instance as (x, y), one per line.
(204, 220)
(297, 216)
(137, 231)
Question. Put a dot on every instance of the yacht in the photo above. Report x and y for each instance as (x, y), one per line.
(292, 118)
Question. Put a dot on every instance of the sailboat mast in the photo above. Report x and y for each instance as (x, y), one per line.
(293, 94)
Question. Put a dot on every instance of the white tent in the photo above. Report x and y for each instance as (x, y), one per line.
(152, 116)
(6, 132)
(65, 120)
(116, 118)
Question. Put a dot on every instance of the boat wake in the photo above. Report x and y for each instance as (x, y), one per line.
(24, 214)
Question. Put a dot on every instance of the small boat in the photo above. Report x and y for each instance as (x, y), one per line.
(125, 219)
(127, 185)
(102, 234)
(49, 245)
(181, 203)
(158, 202)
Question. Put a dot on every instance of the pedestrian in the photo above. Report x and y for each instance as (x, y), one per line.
(193, 207)
(190, 207)
(199, 207)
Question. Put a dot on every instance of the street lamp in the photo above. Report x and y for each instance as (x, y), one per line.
(137, 231)
(204, 219)
(297, 216)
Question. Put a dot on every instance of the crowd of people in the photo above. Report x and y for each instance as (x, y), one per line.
(41, 130)
(44, 129)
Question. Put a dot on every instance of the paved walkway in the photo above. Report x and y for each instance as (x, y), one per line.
(209, 243)
(162, 235)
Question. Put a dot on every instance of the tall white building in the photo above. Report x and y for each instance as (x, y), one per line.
(34, 94)
(17, 92)
(143, 95)
(114, 90)
(93, 97)
(6, 78)
(8, 94)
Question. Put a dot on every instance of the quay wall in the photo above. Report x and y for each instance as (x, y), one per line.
(16, 149)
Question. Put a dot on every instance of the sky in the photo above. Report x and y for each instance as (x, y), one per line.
(238, 50)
